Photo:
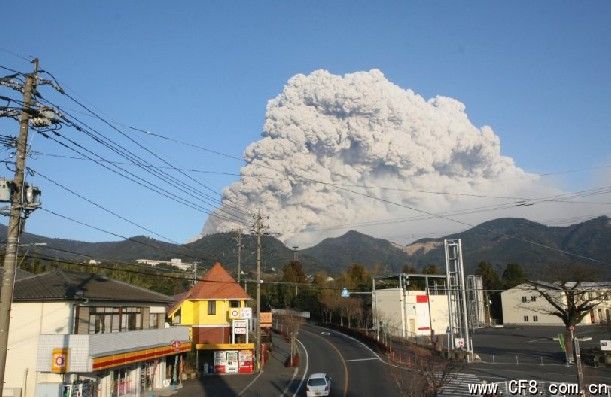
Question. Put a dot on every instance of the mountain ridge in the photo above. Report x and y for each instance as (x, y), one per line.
(499, 241)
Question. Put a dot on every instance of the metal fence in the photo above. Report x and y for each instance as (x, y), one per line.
(523, 358)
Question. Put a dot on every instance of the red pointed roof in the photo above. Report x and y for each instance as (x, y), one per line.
(217, 284)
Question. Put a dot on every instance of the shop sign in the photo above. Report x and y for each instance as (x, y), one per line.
(266, 319)
(240, 327)
(59, 360)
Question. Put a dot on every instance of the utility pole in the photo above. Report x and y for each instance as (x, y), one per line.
(238, 239)
(295, 248)
(194, 273)
(258, 230)
(15, 220)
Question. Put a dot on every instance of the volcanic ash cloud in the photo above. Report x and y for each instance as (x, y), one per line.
(326, 137)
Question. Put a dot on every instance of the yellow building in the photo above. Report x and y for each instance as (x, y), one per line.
(215, 309)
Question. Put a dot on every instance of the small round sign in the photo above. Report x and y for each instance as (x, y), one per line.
(60, 361)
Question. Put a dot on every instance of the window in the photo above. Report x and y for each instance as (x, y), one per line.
(154, 320)
(535, 318)
(524, 299)
(526, 318)
(234, 304)
(533, 298)
(104, 320)
(211, 308)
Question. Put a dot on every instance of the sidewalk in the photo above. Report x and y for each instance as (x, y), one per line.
(273, 379)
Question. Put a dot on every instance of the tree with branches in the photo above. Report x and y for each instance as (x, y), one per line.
(426, 379)
(571, 297)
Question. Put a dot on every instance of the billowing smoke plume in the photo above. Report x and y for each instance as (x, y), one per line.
(331, 143)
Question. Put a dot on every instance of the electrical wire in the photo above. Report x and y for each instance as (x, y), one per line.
(140, 162)
(99, 205)
(82, 223)
(129, 175)
(237, 207)
(380, 199)
(438, 216)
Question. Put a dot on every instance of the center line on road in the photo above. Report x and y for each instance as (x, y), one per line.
(363, 359)
(341, 359)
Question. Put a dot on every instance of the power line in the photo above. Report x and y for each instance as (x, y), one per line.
(102, 119)
(410, 207)
(82, 223)
(100, 206)
(127, 174)
(517, 198)
(138, 161)
(28, 59)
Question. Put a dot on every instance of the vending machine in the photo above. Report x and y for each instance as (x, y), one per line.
(245, 362)
(232, 362)
(220, 362)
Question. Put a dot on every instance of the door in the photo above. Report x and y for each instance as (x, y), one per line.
(412, 327)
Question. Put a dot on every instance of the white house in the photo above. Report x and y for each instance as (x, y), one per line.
(83, 332)
(521, 305)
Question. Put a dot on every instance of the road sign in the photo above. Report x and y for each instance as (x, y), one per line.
(234, 313)
(345, 293)
(459, 343)
(246, 313)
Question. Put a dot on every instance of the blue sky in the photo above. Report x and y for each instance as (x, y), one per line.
(202, 72)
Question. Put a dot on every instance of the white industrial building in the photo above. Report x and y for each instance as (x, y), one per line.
(415, 313)
(524, 306)
(410, 313)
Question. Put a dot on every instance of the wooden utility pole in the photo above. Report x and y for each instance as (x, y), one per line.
(238, 240)
(15, 221)
(258, 230)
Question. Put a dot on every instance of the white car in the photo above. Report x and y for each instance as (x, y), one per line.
(319, 384)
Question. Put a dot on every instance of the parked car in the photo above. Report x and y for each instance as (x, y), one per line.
(319, 384)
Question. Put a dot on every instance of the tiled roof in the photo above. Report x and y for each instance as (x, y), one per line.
(217, 284)
(19, 274)
(59, 285)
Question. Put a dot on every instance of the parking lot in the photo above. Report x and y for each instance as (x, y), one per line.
(530, 344)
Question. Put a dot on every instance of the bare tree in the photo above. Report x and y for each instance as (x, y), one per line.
(426, 378)
(571, 297)
(291, 323)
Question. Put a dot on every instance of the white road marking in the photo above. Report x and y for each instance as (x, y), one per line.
(251, 382)
(288, 384)
(364, 359)
(305, 372)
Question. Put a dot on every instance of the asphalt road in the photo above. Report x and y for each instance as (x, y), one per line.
(355, 370)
